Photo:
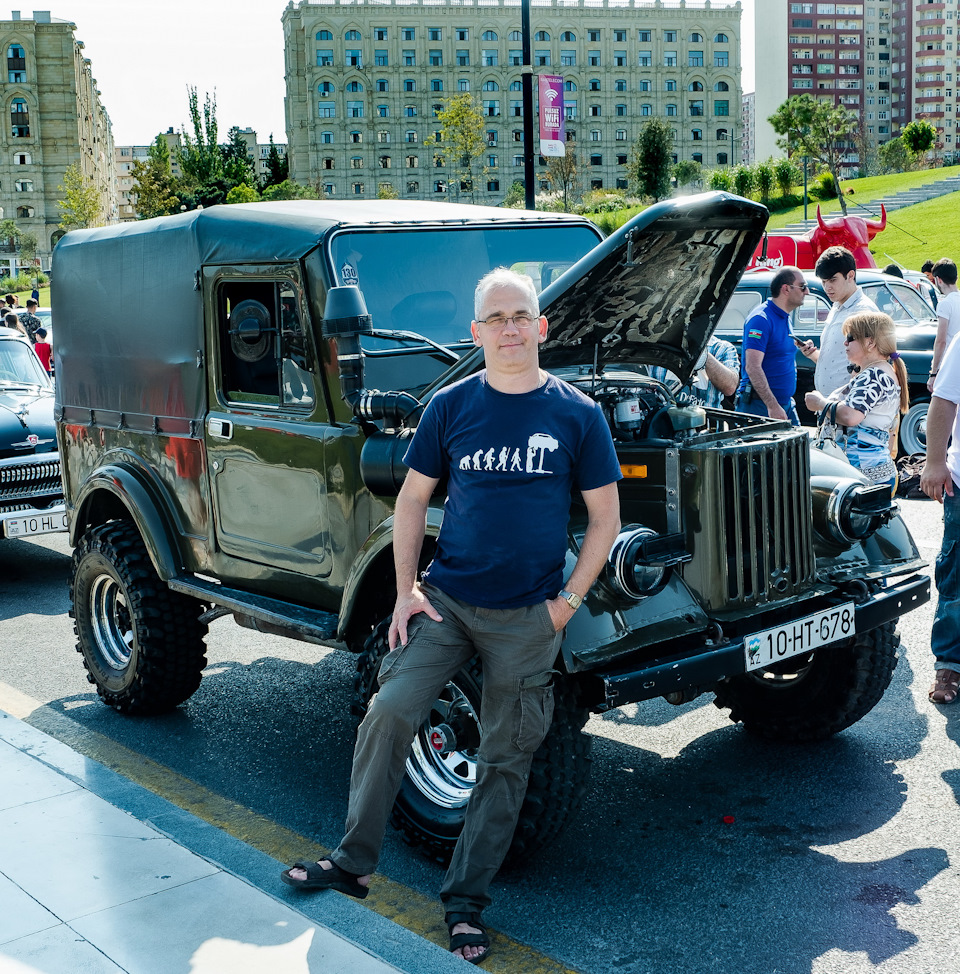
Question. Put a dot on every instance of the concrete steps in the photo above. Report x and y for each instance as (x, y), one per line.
(896, 202)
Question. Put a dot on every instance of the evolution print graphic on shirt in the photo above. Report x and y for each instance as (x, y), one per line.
(511, 460)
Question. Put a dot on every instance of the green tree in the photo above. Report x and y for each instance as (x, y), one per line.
(462, 140)
(516, 195)
(201, 158)
(237, 165)
(919, 137)
(895, 156)
(764, 179)
(720, 179)
(9, 232)
(289, 190)
(386, 191)
(79, 202)
(278, 167)
(651, 162)
(787, 175)
(154, 183)
(27, 246)
(815, 129)
(687, 171)
(563, 174)
(743, 180)
(242, 194)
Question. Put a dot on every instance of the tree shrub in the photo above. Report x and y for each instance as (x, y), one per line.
(721, 179)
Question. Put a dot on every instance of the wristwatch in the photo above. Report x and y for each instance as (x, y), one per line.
(571, 598)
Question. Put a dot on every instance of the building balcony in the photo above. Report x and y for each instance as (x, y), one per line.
(931, 38)
(927, 116)
(929, 99)
(931, 22)
(926, 68)
(921, 85)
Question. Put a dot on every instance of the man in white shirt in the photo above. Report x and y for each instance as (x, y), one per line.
(941, 481)
(948, 312)
(837, 270)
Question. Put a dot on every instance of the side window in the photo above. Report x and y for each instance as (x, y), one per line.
(262, 347)
(811, 315)
(736, 313)
(900, 301)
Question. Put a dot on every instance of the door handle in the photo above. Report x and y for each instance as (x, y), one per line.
(221, 429)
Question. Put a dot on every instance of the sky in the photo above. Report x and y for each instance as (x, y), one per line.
(146, 53)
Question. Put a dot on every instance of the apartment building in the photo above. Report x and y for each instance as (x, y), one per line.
(54, 120)
(365, 81)
(924, 68)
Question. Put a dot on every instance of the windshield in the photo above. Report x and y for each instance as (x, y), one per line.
(901, 302)
(422, 280)
(19, 365)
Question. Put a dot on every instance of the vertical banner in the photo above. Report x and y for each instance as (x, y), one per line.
(552, 141)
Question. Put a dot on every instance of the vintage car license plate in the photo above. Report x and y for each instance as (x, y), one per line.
(800, 636)
(23, 527)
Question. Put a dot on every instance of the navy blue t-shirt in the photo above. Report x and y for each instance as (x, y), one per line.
(768, 331)
(512, 462)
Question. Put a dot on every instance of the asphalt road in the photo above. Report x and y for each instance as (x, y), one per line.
(841, 858)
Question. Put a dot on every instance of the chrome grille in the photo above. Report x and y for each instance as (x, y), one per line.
(767, 520)
(23, 480)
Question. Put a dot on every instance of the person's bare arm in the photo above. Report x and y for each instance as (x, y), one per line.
(409, 527)
(603, 525)
(939, 347)
(753, 363)
(722, 376)
(935, 481)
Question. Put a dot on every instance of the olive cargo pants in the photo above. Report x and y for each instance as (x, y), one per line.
(518, 649)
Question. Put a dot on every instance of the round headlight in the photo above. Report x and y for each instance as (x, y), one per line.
(847, 511)
(627, 571)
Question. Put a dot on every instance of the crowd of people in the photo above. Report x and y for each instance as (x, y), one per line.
(29, 325)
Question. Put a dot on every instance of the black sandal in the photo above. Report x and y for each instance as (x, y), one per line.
(320, 878)
(458, 940)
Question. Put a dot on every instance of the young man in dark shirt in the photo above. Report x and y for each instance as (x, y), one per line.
(513, 441)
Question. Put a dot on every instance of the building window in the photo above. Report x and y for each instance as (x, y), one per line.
(518, 160)
(385, 162)
(721, 107)
(644, 36)
(26, 212)
(721, 59)
(463, 58)
(669, 59)
(463, 85)
(489, 57)
(593, 36)
(328, 163)
(593, 59)
(722, 159)
(491, 108)
(541, 58)
(721, 135)
(356, 162)
(413, 186)
(516, 109)
(671, 111)
(354, 59)
(696, 107)
(16, 64)
(409, 58)
(326, 88)
(697, 135)
(383, 85)
(354, 86)
(324, 59)
(436, 85)
(356, 136)
(324, 35)
(515, 58)
(383, 136)
(569, 86)
(493, 185)
(21, 159)
(409, 110)
(489, 35)
(694, 59)
(721, 86)
(670, 86)
(491, 86)
(410, 136)
(644, 86)
(695, 86)
(380, 59)
(434, 34)
(541, 35)
(621, 135)
(436, 58)
(409, 33)
(383, 111)
(354, 109)
(352, 35)
(491, 137)
(620, 110)
(326, 110)
(326, 138)
(568, 36)
(622, 159)
(358, 189)
(379, 33)
(463, 33)
(439, 185)
(516, 86)
(595, 135)
(409, 85)
(413, 162)
(595, 111)
(569, 110)
(23, 185)
(698, 157)
(670, 36)
(646, 109)
(568, 58)
(721, 39)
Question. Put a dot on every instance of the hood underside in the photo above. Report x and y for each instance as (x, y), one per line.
(652, 292)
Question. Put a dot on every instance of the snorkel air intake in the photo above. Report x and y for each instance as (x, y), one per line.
(346, 319)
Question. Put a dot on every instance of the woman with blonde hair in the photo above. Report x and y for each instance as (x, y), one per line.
(869, 406)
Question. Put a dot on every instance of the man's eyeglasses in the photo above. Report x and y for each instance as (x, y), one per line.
(500, 321)
(803, 287)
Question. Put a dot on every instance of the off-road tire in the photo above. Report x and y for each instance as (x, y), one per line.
(913, 429)
(810, 698)
(558, 776)
(142, 645)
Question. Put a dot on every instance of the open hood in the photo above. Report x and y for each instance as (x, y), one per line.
(652, 292)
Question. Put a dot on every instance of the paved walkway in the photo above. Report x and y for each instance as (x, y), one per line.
(87, 887)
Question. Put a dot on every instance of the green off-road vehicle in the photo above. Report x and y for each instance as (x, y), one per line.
(232, 432)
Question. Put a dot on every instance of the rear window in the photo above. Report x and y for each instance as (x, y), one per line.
(737, 311)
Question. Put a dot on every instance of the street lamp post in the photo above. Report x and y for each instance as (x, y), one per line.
(529, 190)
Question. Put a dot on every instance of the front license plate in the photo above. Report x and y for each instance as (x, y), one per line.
(23, 527)
(800, 636)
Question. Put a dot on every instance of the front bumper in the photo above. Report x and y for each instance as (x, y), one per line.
(722, 659)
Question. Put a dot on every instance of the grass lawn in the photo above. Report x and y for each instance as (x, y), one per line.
(23, 295)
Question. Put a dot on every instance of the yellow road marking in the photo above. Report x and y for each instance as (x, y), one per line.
(390, 899)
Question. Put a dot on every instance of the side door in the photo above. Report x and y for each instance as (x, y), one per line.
(264, 432)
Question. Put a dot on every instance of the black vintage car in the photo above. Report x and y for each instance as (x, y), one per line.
(916, 330)
(31, 495)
